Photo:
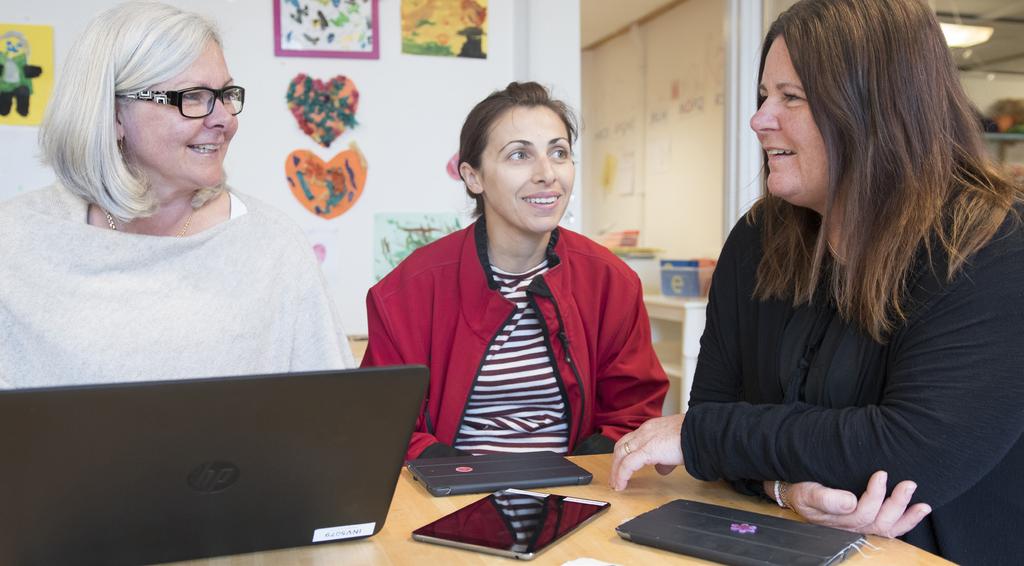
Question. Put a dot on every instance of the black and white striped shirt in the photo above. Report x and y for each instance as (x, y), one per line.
(525, 515)
(516, 404)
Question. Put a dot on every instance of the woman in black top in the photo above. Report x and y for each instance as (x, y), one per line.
(868, 314)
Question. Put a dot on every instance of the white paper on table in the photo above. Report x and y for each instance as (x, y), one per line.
(588, 562)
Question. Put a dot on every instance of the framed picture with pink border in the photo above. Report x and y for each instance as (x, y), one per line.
(326, 28)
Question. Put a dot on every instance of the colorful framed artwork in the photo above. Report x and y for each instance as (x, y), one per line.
(26, 73)
(326, 28)
(446, 28)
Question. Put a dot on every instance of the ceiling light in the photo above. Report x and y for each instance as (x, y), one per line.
(959, 35)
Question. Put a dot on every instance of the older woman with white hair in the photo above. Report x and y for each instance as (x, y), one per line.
(140, 263)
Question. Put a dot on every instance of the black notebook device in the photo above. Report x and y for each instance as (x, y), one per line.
(732, 536)
(137, 473)
(491, 472)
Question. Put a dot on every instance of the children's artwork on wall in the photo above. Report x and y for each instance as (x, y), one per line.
(452, 28)
(326, 28)
(329, 249)
(325, 242)
(26, 73)
(396, 235)
(330, 189)
(324, 110)
(320, 250)
(453, 167)
(608, 172)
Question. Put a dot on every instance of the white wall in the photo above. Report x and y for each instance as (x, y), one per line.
(547, 51)
(743, 155)
(658, 94)
(410, 111)
(986, 88)
(613, 121)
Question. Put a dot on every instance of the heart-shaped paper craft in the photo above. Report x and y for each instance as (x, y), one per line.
(453, 167)
(321, 252)
(327, 190)
(323, 109)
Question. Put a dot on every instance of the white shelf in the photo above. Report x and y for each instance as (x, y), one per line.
(671, 308)
(677, 324)
(673, 370)
(1002, 141)
(1004, 137)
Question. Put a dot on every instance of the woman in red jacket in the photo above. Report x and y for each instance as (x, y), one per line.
(535, 336)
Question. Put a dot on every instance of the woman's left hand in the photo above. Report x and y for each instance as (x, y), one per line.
(873, 513)
(656, 442)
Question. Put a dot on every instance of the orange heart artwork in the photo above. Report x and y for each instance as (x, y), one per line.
(330, 189)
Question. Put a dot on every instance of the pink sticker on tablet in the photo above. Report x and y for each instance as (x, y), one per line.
(463, 469)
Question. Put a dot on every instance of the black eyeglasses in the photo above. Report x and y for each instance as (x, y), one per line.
(197, 102)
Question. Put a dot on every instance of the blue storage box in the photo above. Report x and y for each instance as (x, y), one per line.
(680, 278)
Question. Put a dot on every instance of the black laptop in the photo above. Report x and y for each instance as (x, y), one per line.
(492, 472)
(163, 471)
(732, 536)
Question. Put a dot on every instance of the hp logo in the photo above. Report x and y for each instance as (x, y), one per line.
(213, 477)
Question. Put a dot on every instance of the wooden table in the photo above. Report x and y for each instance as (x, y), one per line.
(413, 507)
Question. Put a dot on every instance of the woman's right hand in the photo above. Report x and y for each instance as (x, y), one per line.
(872, 514)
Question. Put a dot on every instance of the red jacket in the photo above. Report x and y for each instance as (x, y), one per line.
(441, 308)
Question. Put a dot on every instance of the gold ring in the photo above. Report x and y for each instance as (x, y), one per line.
(625, 448)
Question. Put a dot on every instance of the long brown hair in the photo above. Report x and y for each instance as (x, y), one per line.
(906, 161)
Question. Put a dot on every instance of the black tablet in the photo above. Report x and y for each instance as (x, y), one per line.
(733, 536)
(513, 523)
(490, 472)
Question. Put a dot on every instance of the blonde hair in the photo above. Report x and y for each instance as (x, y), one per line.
(127, 48)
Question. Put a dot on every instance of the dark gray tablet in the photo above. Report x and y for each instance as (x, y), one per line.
(732, 536)
(139, 473)
(493, 472)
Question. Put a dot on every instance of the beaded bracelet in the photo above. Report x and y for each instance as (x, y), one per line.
(780, 492)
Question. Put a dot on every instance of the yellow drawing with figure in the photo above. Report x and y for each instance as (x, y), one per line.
(451, 28)
(26, 73)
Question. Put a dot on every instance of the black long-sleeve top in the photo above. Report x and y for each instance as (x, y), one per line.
(941, 403)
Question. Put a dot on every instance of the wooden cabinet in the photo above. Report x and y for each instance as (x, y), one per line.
(676, 327)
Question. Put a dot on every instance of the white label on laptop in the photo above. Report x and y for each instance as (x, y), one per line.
(343, 532)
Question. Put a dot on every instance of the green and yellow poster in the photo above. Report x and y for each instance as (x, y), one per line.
(447, 28)
(26, 73)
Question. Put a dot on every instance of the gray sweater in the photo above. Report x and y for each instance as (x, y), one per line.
(81, 304)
